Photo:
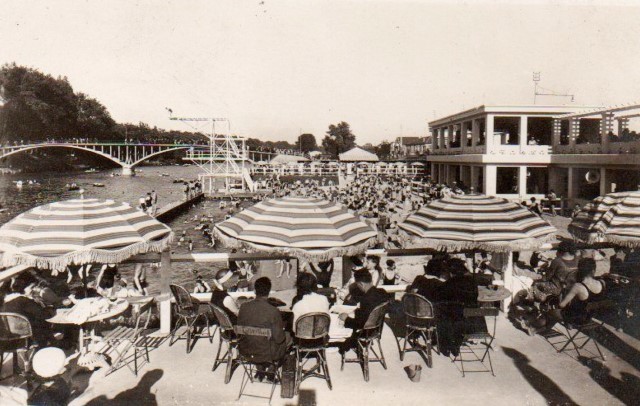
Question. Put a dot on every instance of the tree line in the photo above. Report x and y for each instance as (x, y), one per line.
(35, 106)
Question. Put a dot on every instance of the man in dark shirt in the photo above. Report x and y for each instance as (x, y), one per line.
(21, 303)
(260, 313)
(371, 298)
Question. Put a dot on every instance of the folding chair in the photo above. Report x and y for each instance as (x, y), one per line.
(250, 364)
(420, 324)
(188, 314)
(226, 336)
(123, 338)
(15, 337)
(366, 337)
(477, 339)
(311, 339)
(584, 331)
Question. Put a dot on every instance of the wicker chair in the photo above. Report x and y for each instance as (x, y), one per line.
(188, 314)
(420, 324)
(366, 337)
(15, 337)
(311, 339)
(226, 336)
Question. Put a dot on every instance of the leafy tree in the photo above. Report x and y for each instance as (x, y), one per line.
(93, 118)
(36, 105)
(383, 150)
(306, 143)
(339, 139)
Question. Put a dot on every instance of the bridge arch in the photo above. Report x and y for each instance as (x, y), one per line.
(136, 163)
(71, 146)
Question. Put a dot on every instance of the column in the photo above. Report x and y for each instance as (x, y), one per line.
(490, 173)
(489, 134)
(165, 292)
(452, 131)
(522, 182)
(606, 126)
(473, 175)
(571, 192)
(555, 138)
(574, 130)
(623, 124)
(475, 132)
(434, 139)
(524, 130)
(605, 185)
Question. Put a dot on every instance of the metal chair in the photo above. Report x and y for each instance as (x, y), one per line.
(15, 337)
(477, 339)
(250, 364)
(311, 339)
(130, 338)
(420, 324)
(226, 336)
(366, 337)
(585, 330)
(188, 314)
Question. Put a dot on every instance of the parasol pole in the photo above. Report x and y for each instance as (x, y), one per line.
(165, 292)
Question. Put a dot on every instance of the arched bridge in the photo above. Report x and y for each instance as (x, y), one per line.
(127, 155)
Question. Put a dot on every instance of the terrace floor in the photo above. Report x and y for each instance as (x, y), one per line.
(528, 372)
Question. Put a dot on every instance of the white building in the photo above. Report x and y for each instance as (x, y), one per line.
(579, 152)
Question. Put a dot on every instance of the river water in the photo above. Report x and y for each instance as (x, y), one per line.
(51, 187)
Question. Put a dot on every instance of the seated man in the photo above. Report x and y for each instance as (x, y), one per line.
(429, 284)
(260, 313)
(307, 300)
(371, 298)
(21, 302)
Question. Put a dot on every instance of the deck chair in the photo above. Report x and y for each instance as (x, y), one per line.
(419, 325)
(188, 314)
(228, 337)
(15, 337)
(250, 365)
(365, 339)
(123, 339)
(477, 338)
(580, 334)
(311, 339)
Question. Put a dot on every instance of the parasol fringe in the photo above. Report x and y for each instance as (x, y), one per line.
(319, 255)
(88, 256)
(628, 242)
(526, 244)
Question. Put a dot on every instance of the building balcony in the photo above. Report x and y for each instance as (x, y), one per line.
(524, 150)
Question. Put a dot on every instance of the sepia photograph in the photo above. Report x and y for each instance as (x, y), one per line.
(319, 202)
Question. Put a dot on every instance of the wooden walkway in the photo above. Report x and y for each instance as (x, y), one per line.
(172, 210)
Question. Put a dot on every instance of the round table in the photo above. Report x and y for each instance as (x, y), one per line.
(62, 317)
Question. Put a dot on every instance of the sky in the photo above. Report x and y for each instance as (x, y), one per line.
(279, 68)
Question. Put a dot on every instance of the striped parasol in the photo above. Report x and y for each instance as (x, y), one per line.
(310, 228)
(613, 218)
(80, 231)
(475, 222)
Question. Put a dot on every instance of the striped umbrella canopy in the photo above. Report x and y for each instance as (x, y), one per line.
(480, 222)
(311, 228)
(613, 218)
(78, 232)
